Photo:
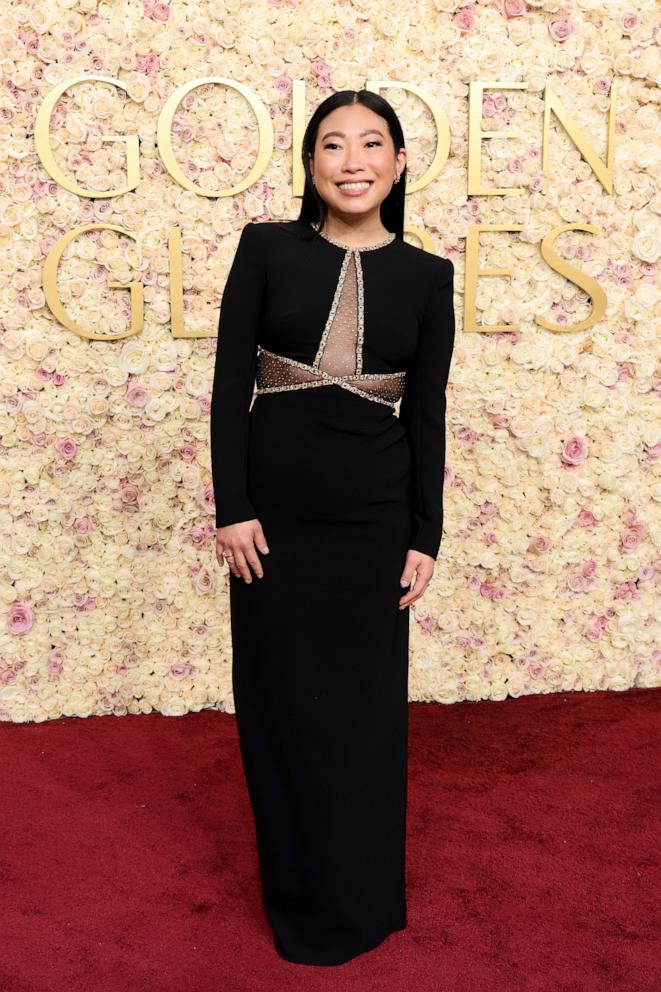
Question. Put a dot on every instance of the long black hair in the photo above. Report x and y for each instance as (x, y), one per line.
(313, 206)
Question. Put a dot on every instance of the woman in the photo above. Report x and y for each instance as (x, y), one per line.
(332, 504)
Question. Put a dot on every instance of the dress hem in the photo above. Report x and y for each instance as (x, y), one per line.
(342, 959)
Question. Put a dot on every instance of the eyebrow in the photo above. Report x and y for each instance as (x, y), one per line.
(340, 134)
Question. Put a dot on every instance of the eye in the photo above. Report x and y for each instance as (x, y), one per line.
(333, 144)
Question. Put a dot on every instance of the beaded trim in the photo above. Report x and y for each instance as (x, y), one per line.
(346, 381)
(331, 382)
(338, 244)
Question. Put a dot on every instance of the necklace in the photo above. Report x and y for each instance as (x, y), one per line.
(338, 244)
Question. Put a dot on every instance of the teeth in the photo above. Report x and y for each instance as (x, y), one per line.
(353, 185)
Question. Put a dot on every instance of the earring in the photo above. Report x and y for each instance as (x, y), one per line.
(397, 178)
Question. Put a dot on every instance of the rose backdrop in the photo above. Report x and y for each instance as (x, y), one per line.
(112, 598)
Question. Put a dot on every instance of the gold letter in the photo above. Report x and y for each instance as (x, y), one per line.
(475, 135)
(49, 282)
(166, 150)
(603, 172)
(44, 151)
(472, 273)
(587, 283)
(177, 290)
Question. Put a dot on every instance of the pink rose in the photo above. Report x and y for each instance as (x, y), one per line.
(67, 448)
(625, 591)
(596, 628)
(160, 12)
(465, 435)
(488, 105)
(586, 518)
(283, 84)
(137, 396)
(631, 537)
(465, 18)
(490, 591)
(20, 618)
(560, 28)
(574, 450)
(601, 85)
(629, 21)
(207, 499)
(129, 494)
(514, 8)
(539, 544)
(181, 669)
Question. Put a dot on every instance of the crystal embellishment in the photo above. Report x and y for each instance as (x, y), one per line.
(339, 357)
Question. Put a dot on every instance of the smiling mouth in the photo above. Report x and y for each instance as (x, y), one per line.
(354, 181)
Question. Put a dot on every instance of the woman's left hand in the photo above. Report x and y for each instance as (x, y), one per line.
(423, 566)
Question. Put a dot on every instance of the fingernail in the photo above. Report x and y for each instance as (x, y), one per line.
(265, 550)
(403, 582)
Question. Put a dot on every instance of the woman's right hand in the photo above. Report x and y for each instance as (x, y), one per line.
(237, 543)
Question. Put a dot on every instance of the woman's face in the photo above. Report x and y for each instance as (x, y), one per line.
(354, 145)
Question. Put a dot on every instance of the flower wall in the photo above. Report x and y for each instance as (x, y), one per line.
(112, 599)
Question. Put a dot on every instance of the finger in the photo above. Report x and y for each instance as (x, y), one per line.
(230, 555)
(416, 592)
(242, 565)
(260, 540)
(254, 562)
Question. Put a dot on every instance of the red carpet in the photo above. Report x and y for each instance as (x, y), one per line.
(127, 859)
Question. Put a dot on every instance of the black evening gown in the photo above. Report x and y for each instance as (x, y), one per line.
(333, 337)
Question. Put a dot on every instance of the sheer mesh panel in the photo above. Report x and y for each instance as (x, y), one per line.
(339, 356)
(339, 349)
(273, 370)
(387, 387)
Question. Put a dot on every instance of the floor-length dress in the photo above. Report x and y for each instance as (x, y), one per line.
(334, 337)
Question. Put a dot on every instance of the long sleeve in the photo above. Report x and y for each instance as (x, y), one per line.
(234, 379)
(422, 411)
